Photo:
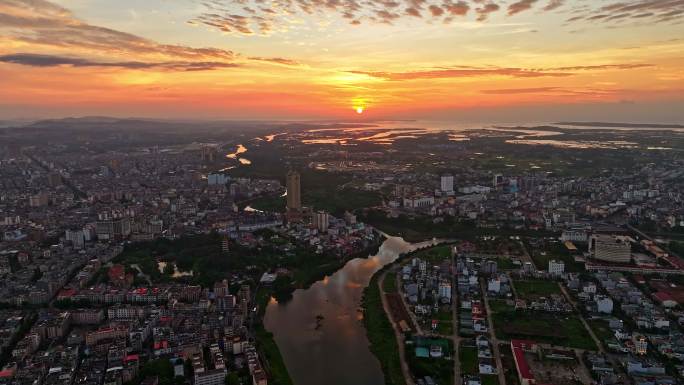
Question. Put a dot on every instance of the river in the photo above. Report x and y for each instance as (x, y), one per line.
(334, 350)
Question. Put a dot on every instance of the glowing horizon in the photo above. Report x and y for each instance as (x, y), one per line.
(443, 59)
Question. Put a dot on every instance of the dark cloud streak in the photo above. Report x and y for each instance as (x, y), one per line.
(39, 60)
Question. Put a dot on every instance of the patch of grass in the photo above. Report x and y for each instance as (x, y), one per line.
(446, 318)
(601, 329)
(469, 361)
(500, 306)
(440, 369)
(489, 380)
(389, 285)
(435, 255)
(275, 364)
(562, 330)
(536, 288)
(508, 364)
(267, 345)
(505, 264)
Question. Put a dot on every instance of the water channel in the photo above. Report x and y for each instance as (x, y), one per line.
(320, 331)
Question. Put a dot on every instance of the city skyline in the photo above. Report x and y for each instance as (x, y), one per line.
(471, 61)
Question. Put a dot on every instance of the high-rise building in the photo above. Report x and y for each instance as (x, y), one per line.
(294, 193)
(556, 267)
(447, 185)
(215, 179)
(497, 180)
(76, 237)
(40, 199)
(321, 221)
(349, 218)
(640, 344)
(225, 245)
(610, 248)
(208, 153)
(54, 179)
(109, 227)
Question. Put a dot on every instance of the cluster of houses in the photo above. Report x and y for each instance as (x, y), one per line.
(472, 315)
(642, 331)
(427, 289)
(102, 345)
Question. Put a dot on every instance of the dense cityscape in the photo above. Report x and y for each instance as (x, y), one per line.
(127, 262)
(342, 192)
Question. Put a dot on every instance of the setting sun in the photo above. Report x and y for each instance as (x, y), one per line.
(359, 110)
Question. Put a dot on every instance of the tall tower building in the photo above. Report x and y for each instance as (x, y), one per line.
(497, 180)
(447, 185)
(294, 193)
(321, 221)
(225, 244)
(54, 179)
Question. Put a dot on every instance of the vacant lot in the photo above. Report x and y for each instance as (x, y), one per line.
(435, 255)
(469, 362)
(537, 288)
(602, 330)
(440, 369)
(445, 318)
(558, 252)
(561, 330)
(500, 306)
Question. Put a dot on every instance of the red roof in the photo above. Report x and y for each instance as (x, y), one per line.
(66, 293)
(116, 272)
(662, 296)
(519, 347)
(675, 261)
(132, 357)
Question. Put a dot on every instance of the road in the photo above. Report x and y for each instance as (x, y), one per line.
(397, 333)
(526, 257)
(581, 317)
(616, 364)
(414, 320)
(492, 335)
(458, 377)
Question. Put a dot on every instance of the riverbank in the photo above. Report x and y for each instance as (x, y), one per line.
(275, 365)
(303, 278)
(379, 329)
(268, 348)
(380, 333)
(423, 228)
(329, 269)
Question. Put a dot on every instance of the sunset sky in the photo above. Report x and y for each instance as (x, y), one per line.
(468, 60)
